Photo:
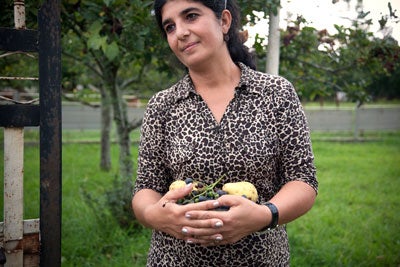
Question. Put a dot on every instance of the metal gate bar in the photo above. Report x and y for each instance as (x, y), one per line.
(50, 133)
(47, 115)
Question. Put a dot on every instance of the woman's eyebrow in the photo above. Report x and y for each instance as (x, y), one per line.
(182, 13)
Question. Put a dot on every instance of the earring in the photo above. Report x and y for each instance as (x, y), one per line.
(226, 37)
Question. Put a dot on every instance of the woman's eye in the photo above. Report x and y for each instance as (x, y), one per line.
(192, 16)
(169, 28)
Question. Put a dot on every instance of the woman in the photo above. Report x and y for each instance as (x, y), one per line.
(222, 119)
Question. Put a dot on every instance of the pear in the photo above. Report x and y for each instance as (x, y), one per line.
(242, 188)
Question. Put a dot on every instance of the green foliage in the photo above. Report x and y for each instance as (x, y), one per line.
(116, 202)
(386, 83)
(114, 33)
(119, 199)
(247, 8)
(19, 65)
(352, 60)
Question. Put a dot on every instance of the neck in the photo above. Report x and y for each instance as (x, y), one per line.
(216, 76)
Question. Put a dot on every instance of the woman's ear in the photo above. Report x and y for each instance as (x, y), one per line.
(226, 20)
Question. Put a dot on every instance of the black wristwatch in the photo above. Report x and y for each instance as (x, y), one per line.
(275, 216)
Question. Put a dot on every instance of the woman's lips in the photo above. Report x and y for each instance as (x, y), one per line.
(189, 46)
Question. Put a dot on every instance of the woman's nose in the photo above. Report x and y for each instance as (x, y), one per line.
(182, 32)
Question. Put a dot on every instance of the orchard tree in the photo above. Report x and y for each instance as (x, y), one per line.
(113, 42)
(320, 64)
(111, 46)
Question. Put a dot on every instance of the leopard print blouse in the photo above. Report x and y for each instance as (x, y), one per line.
(262, 138)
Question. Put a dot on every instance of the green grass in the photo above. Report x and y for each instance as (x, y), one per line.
(355, 221)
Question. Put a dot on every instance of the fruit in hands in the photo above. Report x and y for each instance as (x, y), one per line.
(177, 184)
(202, 192)
(243, 188)
(197, 186)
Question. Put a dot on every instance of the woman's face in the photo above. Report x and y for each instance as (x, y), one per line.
(193, 31)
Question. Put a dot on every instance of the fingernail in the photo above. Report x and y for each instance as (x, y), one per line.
(189, 241)
(218, 224)
(189, 184)
(216, 204)
(218, 238)
(187, 215)
(184, 230)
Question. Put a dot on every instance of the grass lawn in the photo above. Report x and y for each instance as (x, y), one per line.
(355, 221)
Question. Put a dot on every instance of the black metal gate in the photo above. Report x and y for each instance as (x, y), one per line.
(46, 115)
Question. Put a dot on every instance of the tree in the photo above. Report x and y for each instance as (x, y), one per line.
(112, 39)
(321, 64)
(118, 51)
(385, 84)
(272, 65)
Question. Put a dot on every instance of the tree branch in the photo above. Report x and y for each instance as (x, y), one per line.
(128, 82)
(316, 66)
(75, 99)
(84, 63)
(134, 124)
(312, 78)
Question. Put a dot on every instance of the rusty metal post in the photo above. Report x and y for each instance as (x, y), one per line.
(47, 42)
(50, 132)
(13, 196)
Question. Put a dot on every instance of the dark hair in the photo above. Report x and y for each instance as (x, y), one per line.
(237, 50)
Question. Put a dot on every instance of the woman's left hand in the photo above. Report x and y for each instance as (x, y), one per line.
(243, 218)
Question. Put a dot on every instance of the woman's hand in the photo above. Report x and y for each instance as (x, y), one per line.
(200, 223)
(243, 218)
(167, 216)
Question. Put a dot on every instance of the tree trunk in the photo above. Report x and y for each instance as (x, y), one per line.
(106, 122)
(122, 126)
(272, 65)
(125, 157)
(119, 196)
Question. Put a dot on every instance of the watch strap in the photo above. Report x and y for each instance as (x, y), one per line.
(275, 216)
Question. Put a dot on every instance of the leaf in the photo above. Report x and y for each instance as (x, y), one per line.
(95, 27)
(110, 50)
(107, 2)
(96, 41)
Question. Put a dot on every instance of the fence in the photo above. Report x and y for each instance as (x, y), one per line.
(362, 119)
(320, 119)
(34, 242)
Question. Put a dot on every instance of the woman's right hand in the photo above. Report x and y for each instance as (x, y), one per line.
(167, 216)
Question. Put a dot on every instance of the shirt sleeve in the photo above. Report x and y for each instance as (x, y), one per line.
(151, 172)
(297, 159)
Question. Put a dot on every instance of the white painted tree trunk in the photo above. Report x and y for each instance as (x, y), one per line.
(272, 65)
